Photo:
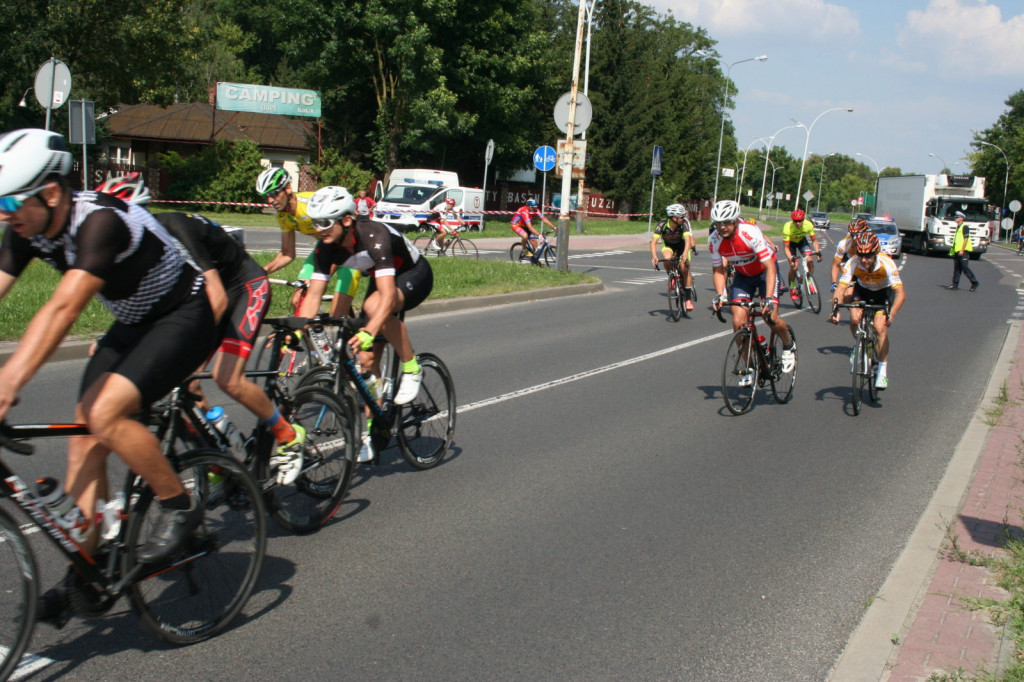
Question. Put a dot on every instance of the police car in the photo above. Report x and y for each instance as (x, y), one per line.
(888, 236)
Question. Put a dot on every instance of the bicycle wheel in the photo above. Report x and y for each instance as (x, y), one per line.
(858, 375)
(515, 254)
(19, 594)
(798, 289)
(463, 248)
(813, 293)
(423, 244)
(550, 256)
(675, 305)
(196, 593)
(740, 372)
(782, 382)
(871, 364)
(290, 364)
(427, 424)
(329, 458)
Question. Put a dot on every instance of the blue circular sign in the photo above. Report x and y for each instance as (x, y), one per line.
(544, 158)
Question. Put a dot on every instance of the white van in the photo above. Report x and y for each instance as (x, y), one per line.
(413, 194)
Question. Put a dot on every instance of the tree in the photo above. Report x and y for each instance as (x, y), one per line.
(1008, 134)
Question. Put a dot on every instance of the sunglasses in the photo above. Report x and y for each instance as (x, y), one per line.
(322, 224)
(13, 202)
(723, 223)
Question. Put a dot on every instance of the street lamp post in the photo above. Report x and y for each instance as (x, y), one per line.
(944, 166)
(725, 102)
(581, 204)
(767, 153)
(877, 174)
(743, 171)
(1006, 183)
(821, 179)
(807, 142)
(771, 192)
(24, 98)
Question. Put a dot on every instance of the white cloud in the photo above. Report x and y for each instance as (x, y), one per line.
(809, 19)
(887, 59)
(966, 37)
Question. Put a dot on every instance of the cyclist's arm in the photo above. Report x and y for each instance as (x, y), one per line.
(45, 332)
(718, 280)
(314, 294)
(286, 255)
(654, 246)
(899, 298)
(6, 282)
(691, 245)
(547, 222)
(388, 292)
(837, 267)
(216, 293)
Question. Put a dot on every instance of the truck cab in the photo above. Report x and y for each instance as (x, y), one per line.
(940, 213)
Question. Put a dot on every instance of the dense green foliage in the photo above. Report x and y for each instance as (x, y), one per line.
(1007, 133)
(413, 83)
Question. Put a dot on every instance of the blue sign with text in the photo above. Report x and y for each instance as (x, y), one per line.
(544, 158)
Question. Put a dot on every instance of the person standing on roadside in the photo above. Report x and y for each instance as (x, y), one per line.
(364, 205)
(961, 253)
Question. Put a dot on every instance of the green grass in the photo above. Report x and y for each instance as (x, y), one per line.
(453, 278)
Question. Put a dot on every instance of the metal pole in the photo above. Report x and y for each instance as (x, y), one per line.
(764, 178)
(586, 87)
(725, 105)
(85, 157)
(49, 102)
(650, 211)
(822, 179)
(807, 141)
(1006, 185)
(563, 218)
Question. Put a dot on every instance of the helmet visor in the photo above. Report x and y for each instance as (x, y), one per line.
(322, 224)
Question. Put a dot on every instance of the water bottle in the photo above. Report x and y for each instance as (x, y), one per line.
(319, 338)
(111, 513)
(371, 383)
(763, 342)
(219, 420)
(63, 508)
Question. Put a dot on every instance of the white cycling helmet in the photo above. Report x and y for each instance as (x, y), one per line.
(676, 211)
(29, 158)
(725, 211)
(130, 188)
(329, 204)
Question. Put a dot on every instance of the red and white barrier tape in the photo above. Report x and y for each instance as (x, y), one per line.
(553, 210)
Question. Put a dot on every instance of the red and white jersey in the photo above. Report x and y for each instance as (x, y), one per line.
(747, 250)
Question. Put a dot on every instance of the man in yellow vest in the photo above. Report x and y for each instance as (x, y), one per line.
(961, 253)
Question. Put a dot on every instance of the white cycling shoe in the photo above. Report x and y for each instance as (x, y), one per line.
(408, 387)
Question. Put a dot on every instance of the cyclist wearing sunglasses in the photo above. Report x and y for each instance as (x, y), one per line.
(402, 279)
(275, 186)
(753, 257)
(164, 326)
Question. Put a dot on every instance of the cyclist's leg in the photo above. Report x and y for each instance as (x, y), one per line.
(248, 305)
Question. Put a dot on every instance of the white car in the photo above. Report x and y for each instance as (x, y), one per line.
(888, 236)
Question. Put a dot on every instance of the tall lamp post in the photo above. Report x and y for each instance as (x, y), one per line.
(944, 166)
(743, 171)
(1006, 182)
(725, 102)
(807, 142)
(877, 174)
(821, 179)
(767, 153)
(581, 204)
(771, 192)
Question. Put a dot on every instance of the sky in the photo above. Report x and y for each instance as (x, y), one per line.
(920, 75)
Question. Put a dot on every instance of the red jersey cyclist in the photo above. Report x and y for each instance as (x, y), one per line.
(675, 232)
(871, 276)
(846, 248)
(756, 274)
(797, 238)
(522, 224)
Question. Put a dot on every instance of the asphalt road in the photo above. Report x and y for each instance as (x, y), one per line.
(602, 517)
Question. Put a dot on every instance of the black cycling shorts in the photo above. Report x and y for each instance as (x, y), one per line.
(416, 283)
(159, 355)
(248, 302)
(871, 296)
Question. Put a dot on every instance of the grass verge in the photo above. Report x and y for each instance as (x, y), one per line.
(453, 278)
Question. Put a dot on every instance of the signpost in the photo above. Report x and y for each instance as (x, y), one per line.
(488, 155)
(52, 85)
(544, 160)
(655, 172)
(82, 130)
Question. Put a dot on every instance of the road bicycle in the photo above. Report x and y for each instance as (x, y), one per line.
(752, 361)
(328, 456)
(424, 428)
(806, 287)
(187, 598)
(864, 365)
(541, 251)
(455, 245)
(678, 292)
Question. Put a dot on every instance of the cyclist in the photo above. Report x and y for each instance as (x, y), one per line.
(237, 284)
(872, 277)
(1020, 239)
(522, 224)
(675, 231)
(756, 273)
(402, 279)
(275, 185)
(164, 325)
(446, 223)
(797, 237)
(846, 248)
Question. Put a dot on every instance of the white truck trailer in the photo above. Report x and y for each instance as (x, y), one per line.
(923, 208)
(413, 193)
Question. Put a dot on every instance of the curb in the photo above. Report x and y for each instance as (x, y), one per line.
(78, 350)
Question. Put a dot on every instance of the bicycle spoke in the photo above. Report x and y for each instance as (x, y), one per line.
(740, 373)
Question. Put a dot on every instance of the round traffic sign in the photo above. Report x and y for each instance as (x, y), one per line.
(544, 158)
(1014, 205)
(584, 112)
(53, 84)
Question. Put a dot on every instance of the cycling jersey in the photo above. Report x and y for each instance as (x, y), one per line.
(300, 222)
(673, 236)
(792, 232)
(747, 250)
(845, 248)
(146, 273)
(884, 274)
(379, 248)
(364, 205)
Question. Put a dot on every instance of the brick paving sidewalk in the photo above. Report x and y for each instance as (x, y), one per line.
(945, 636)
